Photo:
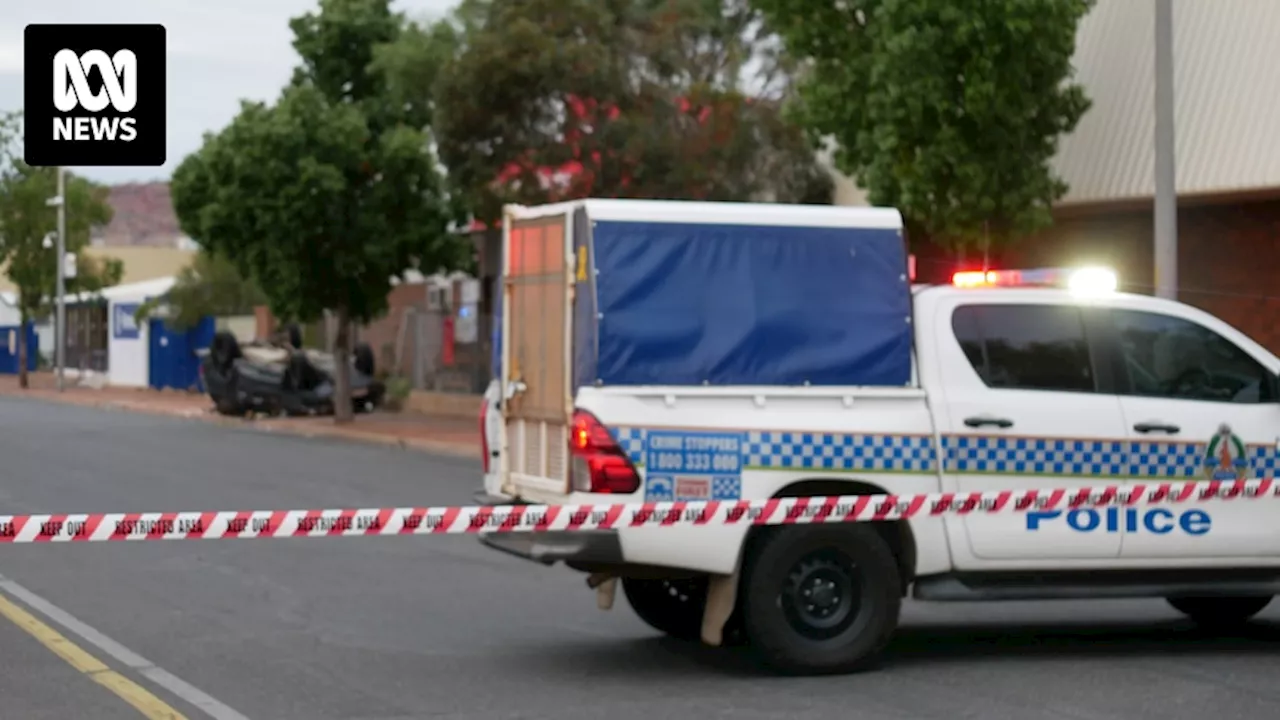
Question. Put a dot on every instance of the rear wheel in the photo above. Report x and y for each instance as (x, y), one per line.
(821, 598)
(363, 354)
(224, 350)
(670, 606)
(1220, 611)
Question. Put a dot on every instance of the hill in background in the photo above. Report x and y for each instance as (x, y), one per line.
(143, 217)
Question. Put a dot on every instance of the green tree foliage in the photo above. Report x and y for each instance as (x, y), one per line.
(210, 286)
(26, 219)
(543, 100)
(949, 111)
(324, 196)
(10, 130)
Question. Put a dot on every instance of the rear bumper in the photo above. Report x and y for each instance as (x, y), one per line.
(590, 547)
(584, 547)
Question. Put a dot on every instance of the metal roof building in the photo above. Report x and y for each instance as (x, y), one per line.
(1226, 94)
(1227, 122)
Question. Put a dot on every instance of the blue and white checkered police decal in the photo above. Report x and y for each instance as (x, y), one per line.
(1170, 459)
(685, 465)
(995, 455)
(631, 440)
(780, 450)
(1091, 458)
(725, 487)
(838, 451)
(1034, 456)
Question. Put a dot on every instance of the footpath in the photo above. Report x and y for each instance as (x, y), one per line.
(407, 430)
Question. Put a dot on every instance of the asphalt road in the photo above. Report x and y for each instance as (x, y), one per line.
(398, 628)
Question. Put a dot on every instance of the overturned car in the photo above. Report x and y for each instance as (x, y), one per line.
(282, 379)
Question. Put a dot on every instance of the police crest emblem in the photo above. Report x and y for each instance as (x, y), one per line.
(1225, 457)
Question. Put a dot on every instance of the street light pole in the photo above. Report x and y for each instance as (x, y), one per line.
(60, 348)
(1165, 242)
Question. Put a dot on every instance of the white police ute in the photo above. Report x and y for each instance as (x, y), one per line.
(667, 351)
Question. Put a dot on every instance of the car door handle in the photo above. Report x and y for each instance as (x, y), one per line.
(985, 420)
(1150, 427)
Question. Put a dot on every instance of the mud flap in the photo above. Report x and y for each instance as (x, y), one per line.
(722, 596)
(606, 592)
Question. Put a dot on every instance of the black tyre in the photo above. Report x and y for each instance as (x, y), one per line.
(1220, 611)
(820, 599)
(673, 607)
(227, 406)
(225, 350)
(301, 375)
(364, 359)
(221, 387)
(377, 393)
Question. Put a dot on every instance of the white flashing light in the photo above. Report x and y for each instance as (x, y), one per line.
(1093, 281)
(1081, 281)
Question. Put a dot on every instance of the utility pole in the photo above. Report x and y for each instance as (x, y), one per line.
(60, 348)
(1165, 242)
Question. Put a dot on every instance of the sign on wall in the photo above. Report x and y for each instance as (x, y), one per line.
(466, 329)
(123, 324)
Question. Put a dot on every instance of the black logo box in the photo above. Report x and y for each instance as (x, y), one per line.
(41, 43)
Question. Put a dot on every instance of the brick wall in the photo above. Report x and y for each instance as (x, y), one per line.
(1228, 258)
(1233, 268)
(469, 371)
(382, 334)
(264, 322)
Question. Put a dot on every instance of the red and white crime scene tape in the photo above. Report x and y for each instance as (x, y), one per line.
(104, 527)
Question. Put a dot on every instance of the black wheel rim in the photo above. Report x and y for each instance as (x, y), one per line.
(822, 595)
(678, 591)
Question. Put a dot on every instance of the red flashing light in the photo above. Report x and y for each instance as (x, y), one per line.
(970, 278)
(1004, 278)
(982, 278)
(599, 464)
(1083, 280)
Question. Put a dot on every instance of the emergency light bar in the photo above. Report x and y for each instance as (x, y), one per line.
(1083, 280)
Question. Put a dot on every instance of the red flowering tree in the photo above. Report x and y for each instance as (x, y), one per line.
(544, 100)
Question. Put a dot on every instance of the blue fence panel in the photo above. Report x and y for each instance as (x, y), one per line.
(9, 349)
(172, 360)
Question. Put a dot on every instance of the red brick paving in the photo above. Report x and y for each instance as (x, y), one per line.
(407, 430)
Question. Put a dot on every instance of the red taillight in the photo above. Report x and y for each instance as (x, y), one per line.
(599, 464)
(484, 434)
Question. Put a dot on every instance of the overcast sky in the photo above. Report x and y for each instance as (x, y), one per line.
(220, 51)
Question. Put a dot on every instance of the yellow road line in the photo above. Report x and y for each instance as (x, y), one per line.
(149, 705)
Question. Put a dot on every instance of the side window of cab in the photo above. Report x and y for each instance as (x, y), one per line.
(1027, 347)
(1174, 358)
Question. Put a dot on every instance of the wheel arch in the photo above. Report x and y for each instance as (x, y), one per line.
(896, 533)
(723, 614)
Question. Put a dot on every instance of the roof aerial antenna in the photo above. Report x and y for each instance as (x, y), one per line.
(986, 246)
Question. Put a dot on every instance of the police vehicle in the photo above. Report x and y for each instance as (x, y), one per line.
(662, 351)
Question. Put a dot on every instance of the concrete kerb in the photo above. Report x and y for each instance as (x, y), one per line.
(415, 444)
(209, 415)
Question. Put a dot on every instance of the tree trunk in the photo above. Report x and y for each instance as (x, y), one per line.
(343, 412)
(23, 381)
